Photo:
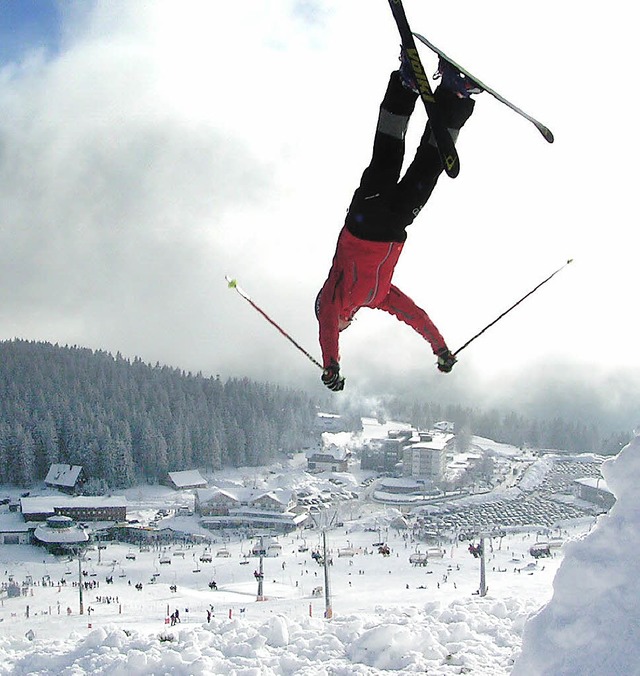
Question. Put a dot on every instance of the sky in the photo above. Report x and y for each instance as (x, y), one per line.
(572, 614)
(149, 149)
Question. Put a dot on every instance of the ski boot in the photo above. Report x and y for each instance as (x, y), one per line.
(455, 81)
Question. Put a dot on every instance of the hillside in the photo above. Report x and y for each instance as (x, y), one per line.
(128, 421)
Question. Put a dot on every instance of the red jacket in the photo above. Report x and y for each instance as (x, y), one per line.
(360, 276)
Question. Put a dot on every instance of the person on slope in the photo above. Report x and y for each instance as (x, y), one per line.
(382, 207)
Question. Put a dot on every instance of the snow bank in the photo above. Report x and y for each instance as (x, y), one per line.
(478, 636)
(590, 626)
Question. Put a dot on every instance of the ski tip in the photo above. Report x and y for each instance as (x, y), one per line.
(570, 261)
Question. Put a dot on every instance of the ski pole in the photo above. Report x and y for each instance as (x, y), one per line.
(233, 284)
(497, 319)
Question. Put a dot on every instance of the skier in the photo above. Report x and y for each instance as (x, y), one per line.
(382, 207)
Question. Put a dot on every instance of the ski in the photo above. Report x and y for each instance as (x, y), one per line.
(446, 147)
(545, 131)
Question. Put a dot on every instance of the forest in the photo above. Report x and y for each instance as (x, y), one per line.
(508, 426)
(126, 421)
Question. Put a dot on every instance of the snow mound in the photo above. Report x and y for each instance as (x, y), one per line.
(590, 625)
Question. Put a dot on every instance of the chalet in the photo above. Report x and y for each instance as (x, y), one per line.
(331, 458)
(66, 478)
(82, 508)
(187, 479)
(248, 508)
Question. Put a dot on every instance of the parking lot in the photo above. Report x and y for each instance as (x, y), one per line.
(547, 505)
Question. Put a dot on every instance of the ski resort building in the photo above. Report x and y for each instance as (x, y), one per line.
(331, 459)
(426, 460)
(383, 455)
(82, 508)
(13, 530)
(248, 508)
(66, 478)
(331, 422)
(60, 534)
(186, 479)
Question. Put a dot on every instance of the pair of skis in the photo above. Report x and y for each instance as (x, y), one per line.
(446, 147)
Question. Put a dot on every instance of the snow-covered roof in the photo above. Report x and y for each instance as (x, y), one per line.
(594, 482)
(187, 478)
(373, 429)
(400, 483)
(444, 426)
(245, 495)
(12, 522)
(331, 451)
(71, 535)
(63, 475)
(47, 505)
(437, 443)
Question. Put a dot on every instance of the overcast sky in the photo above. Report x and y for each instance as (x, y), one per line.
(149, 149)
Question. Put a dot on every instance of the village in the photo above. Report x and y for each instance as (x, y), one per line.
(377, 465)
(269, 533)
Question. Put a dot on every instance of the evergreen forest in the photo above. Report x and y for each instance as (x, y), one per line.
(127, 422)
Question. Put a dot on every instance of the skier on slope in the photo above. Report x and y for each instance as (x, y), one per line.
(382, 207)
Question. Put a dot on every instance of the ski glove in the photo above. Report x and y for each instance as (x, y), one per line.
(331, 377)
(445, 360)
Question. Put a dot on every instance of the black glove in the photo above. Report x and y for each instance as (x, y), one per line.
(332, 379)
(445, 360)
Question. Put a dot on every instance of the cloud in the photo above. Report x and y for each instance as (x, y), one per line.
(164, 145)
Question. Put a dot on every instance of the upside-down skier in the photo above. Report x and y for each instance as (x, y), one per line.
(382, 207)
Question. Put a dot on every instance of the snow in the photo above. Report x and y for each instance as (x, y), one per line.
(43, 505)
(578, 610)
(590, 625)
(187, 478)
